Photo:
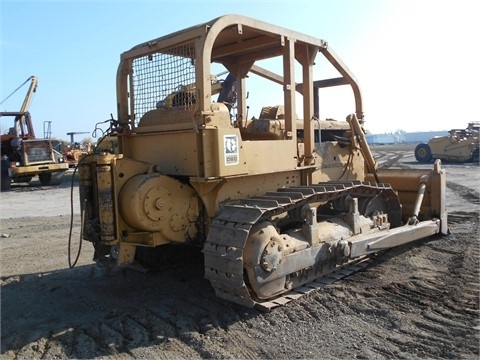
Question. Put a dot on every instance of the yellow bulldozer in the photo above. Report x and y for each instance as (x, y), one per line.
(277, 201)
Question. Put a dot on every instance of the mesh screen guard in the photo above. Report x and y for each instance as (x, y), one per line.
(164, 78)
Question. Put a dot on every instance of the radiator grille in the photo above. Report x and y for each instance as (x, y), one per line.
(37, 151)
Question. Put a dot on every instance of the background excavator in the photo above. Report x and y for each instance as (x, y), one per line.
(23, 156)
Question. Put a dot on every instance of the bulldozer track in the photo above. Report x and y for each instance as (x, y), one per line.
(316, 285)
(225, 244)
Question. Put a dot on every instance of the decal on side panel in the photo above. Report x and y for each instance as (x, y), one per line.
(230, 146)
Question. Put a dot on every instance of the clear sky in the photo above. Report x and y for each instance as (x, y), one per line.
(417, 61)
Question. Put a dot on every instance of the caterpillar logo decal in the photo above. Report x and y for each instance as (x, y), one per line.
(230, 145)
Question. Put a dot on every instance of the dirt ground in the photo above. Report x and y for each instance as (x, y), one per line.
(417, 301)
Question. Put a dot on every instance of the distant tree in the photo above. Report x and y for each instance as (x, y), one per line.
(87, 144)
(87, 139)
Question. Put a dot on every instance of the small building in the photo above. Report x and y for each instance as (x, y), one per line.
(403, 138)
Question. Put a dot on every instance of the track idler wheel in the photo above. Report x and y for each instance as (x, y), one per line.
(276, 263)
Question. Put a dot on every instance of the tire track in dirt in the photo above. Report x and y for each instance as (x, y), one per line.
(468, 194)
(181, 327)
(466, 304)
(388, 159)
(442, 304)
(421, 309)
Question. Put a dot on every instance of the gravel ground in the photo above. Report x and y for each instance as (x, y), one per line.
(417, 301)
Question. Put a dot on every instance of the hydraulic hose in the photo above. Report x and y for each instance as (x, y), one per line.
(70, 264)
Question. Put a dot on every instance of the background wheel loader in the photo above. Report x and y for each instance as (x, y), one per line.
(277, 200)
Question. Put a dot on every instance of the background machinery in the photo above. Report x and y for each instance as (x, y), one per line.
(275, 201)
(460, 145)
(75, 149)
(23, 156)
